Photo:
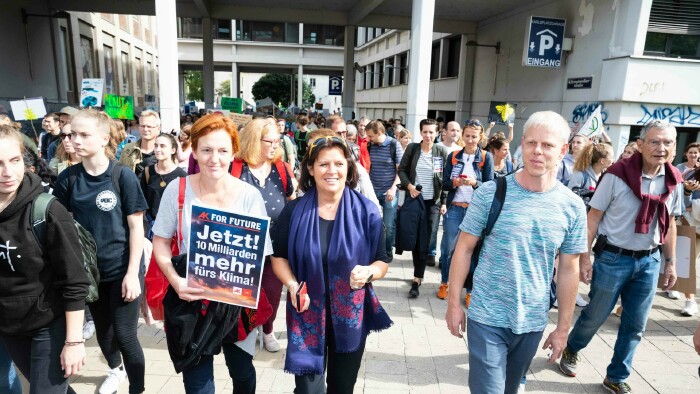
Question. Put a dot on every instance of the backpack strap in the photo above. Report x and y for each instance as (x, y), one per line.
(147, 174)
(496, 205)
(40, 207)
(284, 172)
(116, 176)
(180, 205)
(237, 167)
(483, 159)
(393, 150)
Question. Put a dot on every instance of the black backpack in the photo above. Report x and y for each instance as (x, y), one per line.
(40, 207)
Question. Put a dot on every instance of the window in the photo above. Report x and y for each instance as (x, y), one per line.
(453, 49)
(435, 61)
(369, 76)
(312, 82)
(189, 28)
(222, 29)
(674, 29)
(389, 69)
(403, 68)
(267, 31)
(672, 45)
(65, 46)
(136, 23)
(126, 74)
(88, 57)
(110, 69)
(123, 23)
(380, 74)
(324, 35)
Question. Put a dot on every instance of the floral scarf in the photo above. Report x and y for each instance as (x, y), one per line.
(354, 314)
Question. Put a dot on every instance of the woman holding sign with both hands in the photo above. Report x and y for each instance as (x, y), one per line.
(214, 142)
(331, 241)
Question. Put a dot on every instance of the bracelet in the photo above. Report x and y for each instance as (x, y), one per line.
(68, 343)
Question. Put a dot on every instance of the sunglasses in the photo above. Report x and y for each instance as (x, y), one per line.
(64, 136)
(473, 122)
(321, 141)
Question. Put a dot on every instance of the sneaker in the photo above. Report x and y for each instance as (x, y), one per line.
(88, 330)
(690, 308)
(467, 299)
(672, 294)
(580, 301)
(556, 304)
(431, 261)
(621, 387)
(271, 344)
(413, 293)
(567, 365)
(618, 311)
(442, 292)
(115, 377)
(521, 388)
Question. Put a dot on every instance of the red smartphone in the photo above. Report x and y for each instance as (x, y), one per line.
(301, 292)
(463, 176)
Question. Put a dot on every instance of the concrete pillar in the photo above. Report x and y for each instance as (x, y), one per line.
(630, 28)
(300, 86)
(234, 80)
(301, 33)
(465, 79)
(422, 15)
(349, 73)
(208, 62)
(166, 26)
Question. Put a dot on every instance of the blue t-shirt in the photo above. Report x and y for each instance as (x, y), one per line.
(511, 283)
(385, 158)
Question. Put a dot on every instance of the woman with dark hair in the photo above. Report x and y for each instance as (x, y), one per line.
(500, 150)
(329, 242)
(34, 164)
(214, 143)
(691, 154)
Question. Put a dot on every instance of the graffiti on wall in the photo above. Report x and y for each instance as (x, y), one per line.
(582, 111)
(681, 115)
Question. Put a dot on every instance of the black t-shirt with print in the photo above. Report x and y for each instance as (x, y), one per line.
(96, 205)
(153, 191)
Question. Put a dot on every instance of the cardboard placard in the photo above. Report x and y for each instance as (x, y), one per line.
(502, 112)
(91, 92)
(28, 109)
(686, 253)
(240, 120)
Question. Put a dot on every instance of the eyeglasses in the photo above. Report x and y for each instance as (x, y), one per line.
(64, 136)
(657, 143)
(324, 141)
(147, 127)
(271, 142)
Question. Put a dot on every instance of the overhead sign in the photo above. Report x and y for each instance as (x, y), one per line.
(335, 85)
(579, 83)
(233, 104)
(545, 40)
(91, 92)
(119, 107)
(502, 112)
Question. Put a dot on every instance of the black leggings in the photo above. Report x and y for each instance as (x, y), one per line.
(420, 257)
(116, 322)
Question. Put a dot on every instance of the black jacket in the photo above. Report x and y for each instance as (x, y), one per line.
(38, 284)
(412, 225)
(409, 161)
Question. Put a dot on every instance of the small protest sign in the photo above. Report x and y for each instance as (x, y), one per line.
(28, 109)
(119, 107)
(91, 92)
(232, 104)
(240, 120)
(593, 126)
(226, 255)
(502, 112)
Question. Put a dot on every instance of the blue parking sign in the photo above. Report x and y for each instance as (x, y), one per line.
(335, 85)
(544, 44)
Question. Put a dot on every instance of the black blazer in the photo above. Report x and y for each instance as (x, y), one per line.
(407, 168)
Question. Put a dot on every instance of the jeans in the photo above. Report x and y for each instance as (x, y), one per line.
(273, 291)
(9, 381)
(435, 217)
(199, 379)
(498, 358)
(389, 217)
(634, 281)
(420, 257)
(38, 355)
(116, 322)
(450, 230)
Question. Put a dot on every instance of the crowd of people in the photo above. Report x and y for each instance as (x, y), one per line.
(343, 197)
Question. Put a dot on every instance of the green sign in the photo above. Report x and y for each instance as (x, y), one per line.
(232, 104)
(119, 107)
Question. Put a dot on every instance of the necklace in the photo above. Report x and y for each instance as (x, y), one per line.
(162, 183)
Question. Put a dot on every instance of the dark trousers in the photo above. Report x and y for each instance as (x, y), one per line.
(199, 379)
(420, 254)
(273, 291)
(116, 322)
(341, 370)
(38, 357)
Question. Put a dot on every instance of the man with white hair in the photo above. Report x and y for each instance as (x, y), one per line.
(632, 217)
(540, 217)
(139, 154)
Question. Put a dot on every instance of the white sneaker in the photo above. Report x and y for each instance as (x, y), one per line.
(271, 344)
(88, 330)
(690, 308)
(114, 378)
(580, 301)
(672, 294)
(521, 389)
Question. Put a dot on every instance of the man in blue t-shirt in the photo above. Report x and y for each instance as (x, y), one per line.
(540, 218)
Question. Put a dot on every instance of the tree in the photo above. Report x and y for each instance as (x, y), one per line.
(278, 88)
(195, 85)
(224, 88)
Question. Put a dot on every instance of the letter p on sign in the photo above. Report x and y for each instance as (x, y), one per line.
(546, 42)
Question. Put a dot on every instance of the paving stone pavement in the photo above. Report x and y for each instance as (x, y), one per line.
(418, 355)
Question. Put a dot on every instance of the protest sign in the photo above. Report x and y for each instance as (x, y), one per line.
(685, 261)
(119, 107)
(226, 255)
(593, 126)
(233, 104)
(240, 120)
(28, 109)
(91, 92)
(502, 112)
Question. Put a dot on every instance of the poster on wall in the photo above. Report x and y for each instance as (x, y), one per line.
(88, 52)
(28, 109)
(502, 112)
(119, 107)
(125, 74)
(91, 91)
(109, 70)
(226, 255)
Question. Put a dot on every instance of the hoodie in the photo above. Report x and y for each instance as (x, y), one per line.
(38, 284)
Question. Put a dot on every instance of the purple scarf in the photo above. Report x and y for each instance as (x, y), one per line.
(354, 240)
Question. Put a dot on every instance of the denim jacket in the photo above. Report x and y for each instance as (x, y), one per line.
(484, 173)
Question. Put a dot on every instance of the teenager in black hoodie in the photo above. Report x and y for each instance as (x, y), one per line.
(42, 287)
